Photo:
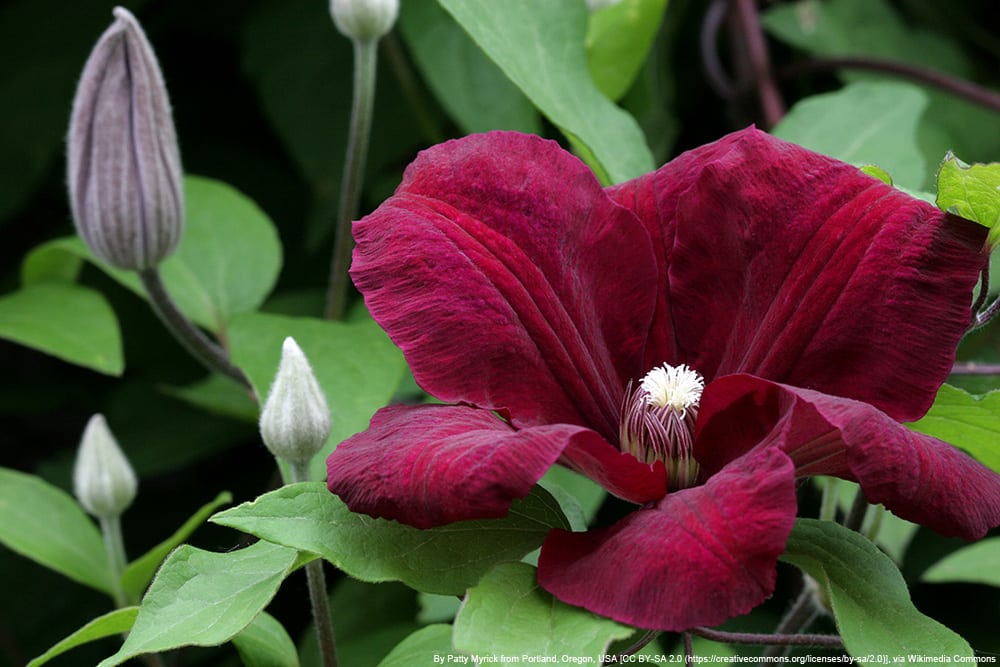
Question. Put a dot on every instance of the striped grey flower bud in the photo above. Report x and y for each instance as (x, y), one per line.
(124, 166)
(295, 421)
(103, 479)
(364, 19)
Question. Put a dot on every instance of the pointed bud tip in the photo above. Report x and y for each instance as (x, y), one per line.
(364, 19)
(295, 421)
(103, 479)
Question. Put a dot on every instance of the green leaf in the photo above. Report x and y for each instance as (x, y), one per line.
(139, 572)
(971, 191)
(507, 613)
(67, 321)
(423, 648)
(579, 497)
(864, 123)
(227, 262)
(468, 85)
(67, 541)
(978, 563)
(892, 534)
(356, 364)
(445, 560)
(870, 600)
(265, 643)
(969, 422)
(619, 37)
(437, 608)
(874, 28)
(52, 262)
(200, 598)
(878, 172)
(863, 27)
(229, 257)
(540, 47)
(114, 623)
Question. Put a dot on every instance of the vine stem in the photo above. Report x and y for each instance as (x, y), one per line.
(825, 641)
(208, 352)
(298, 471)
(114, 545)
(637, 646)
(802, 613)
(768, 95)
(977, 94)
(362, 107)
(975, 368)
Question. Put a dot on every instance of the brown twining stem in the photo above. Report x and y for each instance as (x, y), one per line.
(200, 346)
(975, 368)
(637, 646)
(825, 641)
(771, 104)
(986, 316)
(801, 614)
(856, 515)
(984, 293)
(688, 649)
(716, 74)
(984, 97)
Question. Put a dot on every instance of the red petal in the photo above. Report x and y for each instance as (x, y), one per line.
(618, 472)
(510, 280)
(698, 557)
(917, 477)
(435, 464)
(789, 265)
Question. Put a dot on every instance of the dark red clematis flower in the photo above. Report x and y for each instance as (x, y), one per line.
(694, 341)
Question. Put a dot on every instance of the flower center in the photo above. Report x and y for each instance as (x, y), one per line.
(657, 421)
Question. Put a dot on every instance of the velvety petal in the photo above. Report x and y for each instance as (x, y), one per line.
(434, 464)
(917, 477)
(510, 280)
(698, 557)
(789, 265)
(621, 474)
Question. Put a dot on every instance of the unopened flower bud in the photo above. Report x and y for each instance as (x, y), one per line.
(103, 479)
(124, 167)
(364, 19)
(295, 421)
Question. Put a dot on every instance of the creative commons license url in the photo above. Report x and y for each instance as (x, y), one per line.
(565, 659)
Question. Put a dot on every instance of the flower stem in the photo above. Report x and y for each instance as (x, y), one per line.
(984, 317)
(958, 87)
(855, 518)
(318, 596)
(975, 368)
(209, 353)
(365, 62)
(762, 77)
(828, 506)
(801, 614)
(114, 544)
(826, 641)
(637, 646)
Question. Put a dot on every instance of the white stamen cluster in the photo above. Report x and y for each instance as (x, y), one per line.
(678, 387)
(658, 418)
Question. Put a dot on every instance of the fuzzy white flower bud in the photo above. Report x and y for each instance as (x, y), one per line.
(124, 166)
(364, 19)
(295, 421)
(103, 479)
